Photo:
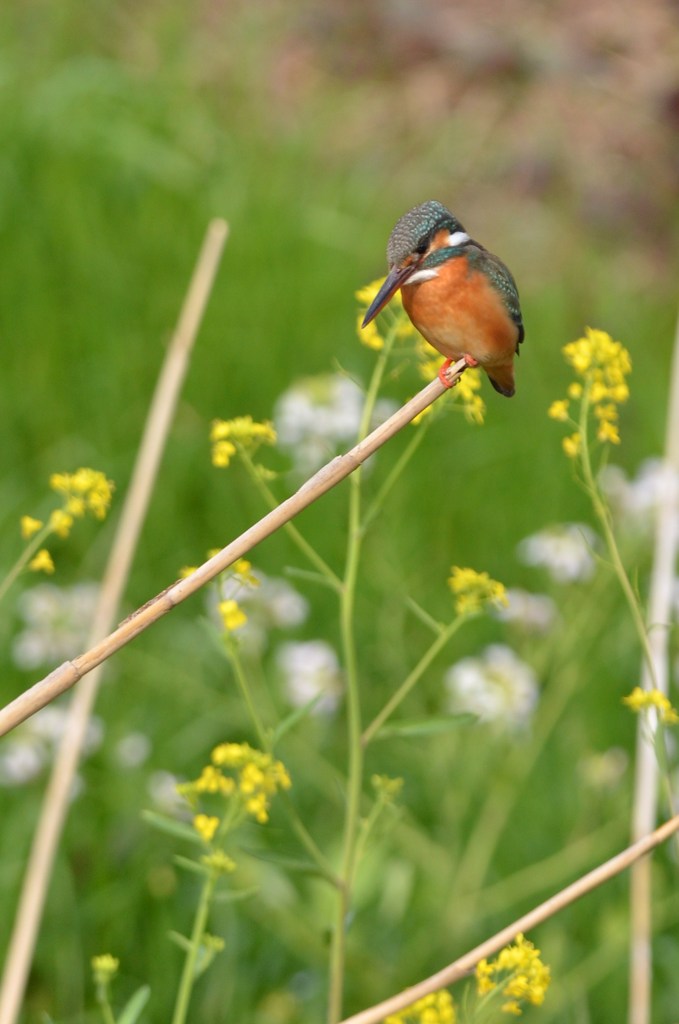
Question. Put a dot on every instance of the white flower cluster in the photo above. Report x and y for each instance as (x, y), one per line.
(318, 415)
(497, 686)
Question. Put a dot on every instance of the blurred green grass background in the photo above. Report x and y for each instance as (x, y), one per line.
(123, 128)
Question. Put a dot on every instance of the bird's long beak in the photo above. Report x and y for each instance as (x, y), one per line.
(395, 278)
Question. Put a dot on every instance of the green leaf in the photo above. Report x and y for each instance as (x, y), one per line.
(133, 1007)
(193, 866)
(179, 829)
(308, 576)
(291, 720)
(235, 895)
(180, 940)
(424, 616)
(426, 726)
(306, 867)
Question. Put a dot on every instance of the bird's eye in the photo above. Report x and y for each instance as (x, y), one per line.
(421, 248)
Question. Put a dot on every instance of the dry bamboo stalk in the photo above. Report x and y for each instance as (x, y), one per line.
(66, 675)
(55, 803)
(645, 807)
(459, 968)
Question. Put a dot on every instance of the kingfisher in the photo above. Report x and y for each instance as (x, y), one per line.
(459, 296)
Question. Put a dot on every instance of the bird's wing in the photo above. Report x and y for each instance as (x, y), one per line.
(504, 283)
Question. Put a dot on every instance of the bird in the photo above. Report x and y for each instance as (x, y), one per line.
(458, 295)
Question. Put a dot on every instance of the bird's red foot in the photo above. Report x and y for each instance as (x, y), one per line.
(444, 376)
(470, 361)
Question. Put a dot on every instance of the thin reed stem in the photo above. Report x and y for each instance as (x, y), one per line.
(353, 698)
(59, 787)
(464, 964)
(645, 806)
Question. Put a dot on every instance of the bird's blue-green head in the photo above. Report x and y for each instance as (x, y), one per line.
(426, 226)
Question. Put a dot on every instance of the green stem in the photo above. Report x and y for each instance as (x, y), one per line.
(395, 473)
(189, 971)
(408, 684)
(301, 542)
(264, 740)
(493, 813)
(355, 748)
(366, 828)
(306, 839)
(603, 515)
(24, 558)
(105, 1006)
(355, 766)
(242, 680)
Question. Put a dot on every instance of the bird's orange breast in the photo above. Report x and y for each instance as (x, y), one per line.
(459, 312)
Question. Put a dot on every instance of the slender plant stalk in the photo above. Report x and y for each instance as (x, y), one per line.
(355, 766)
(407, 685)
(498, 805)
(244, 687)
(188, 975)
(395, 473)
(353, 698)
(22, 561)
(307, 549)
(654, 675)
(105, 1006)
(604, 517)
(264, 740)
(58, 792)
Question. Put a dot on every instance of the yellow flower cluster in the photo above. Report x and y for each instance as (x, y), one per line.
(215, 943)
(428, 359)
(227, 435)
(29, 526)
(259, 776)
(474, 590)
(640, 700)
(42, 561)
(467, 391)
(388, 789)
(435, 1008)
(468, 388)
(219, 862)
(104, 967)
(370, 335)
(241, 570)
(206, 825)
(239, 574)
(603, 366)
(256, 778)
(232, 615)
(518, 973)
(86, 490)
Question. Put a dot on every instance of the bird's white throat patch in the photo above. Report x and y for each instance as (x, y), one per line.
(422, 275)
